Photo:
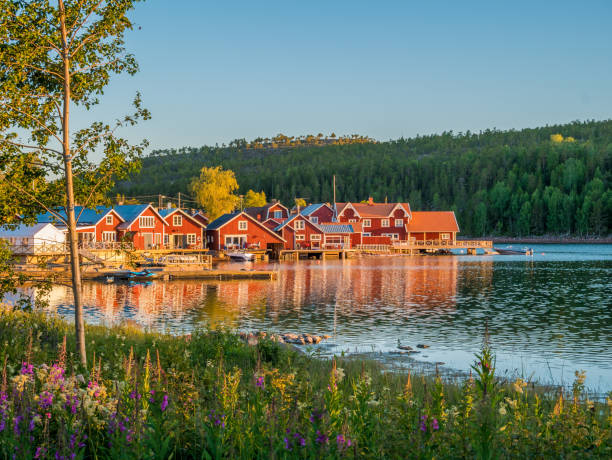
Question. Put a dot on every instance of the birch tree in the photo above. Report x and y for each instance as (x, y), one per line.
(56, 55)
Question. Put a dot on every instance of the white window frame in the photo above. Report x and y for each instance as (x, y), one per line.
(353, 221)
(109, 219)
(109, 236)
(278, 214)
(367, 222)
(166, 239)
(300, 237)
(191, 238)
(144, 221)
(314, 219)
(445, 236)
(399, 222)
(315, 237)
(177, 221)
(384, 223)
(299, 225)
(243, 225)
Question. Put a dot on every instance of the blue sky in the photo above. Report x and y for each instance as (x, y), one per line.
(211, 72)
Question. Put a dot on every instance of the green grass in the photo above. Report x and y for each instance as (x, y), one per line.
(210, 395)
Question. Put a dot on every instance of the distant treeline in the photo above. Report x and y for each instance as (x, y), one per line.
(550, 180)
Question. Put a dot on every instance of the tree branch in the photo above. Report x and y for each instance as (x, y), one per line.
(76, 30)
(35, 119)
(93, 66)
(40, 69)
(91, 193)
(33, 197)
(35, 147)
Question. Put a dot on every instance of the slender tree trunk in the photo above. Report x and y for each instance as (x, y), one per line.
(79, 323)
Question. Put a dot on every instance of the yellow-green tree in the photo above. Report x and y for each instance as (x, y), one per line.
(214, 190)
(300, 202)
(252, 199)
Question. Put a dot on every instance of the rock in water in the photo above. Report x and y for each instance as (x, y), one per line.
(404, 347)
(422, 345)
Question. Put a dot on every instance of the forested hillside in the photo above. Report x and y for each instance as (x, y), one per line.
(550, 180)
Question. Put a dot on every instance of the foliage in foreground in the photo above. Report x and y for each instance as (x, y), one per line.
(209, 395)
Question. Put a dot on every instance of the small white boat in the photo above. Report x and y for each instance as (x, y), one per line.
(242, 256)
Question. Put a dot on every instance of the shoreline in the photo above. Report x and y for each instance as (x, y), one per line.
(540, 240)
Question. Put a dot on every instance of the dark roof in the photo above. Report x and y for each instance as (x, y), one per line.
(221, 221)
(89, 217)
(262, 211)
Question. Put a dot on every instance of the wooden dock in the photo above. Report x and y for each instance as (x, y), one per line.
(297, 254)
(431, 247)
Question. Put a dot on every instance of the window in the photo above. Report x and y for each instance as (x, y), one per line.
(314, 219)
(315, 237)
(278, 214)
(146, 222)
(243, 225)
(299, 225)
(191, 238)
(177, 221)
(109, 236)
(384, 223)
(399, 222)
(367, 234)
(166, 240)
(353, 221)
(445, 236)
(109, 220)
(393, 236)
(367, 223)
(300, 237)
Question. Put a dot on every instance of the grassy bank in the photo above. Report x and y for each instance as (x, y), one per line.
(209, 395)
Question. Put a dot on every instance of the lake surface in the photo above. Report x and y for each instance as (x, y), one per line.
(547, 315)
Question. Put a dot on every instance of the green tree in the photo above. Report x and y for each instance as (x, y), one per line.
(254, 199)
(54, 57)
(215, 191)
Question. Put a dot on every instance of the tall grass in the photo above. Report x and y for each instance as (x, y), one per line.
(210, 396)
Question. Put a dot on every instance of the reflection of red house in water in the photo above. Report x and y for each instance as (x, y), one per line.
(240, 230)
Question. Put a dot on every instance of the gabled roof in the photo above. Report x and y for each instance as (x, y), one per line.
(89, 217)
(227, 218)
(167, 212)
(23, 230)
(308, 210)
(130, 212)
(289, 219)
(373, 209)
(433, 221)
(263, 211)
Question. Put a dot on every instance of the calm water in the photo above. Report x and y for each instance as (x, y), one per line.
(547, 315)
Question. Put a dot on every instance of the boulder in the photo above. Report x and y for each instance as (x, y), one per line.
(422, 345)
(316, 338)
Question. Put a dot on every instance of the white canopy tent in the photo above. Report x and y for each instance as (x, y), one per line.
(35, 238)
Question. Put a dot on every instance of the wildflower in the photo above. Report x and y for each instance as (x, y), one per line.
(260, 381)
(27, 369)
(502, 409)
(46, 400)
(321, 438)
(423, 425)
(32, 425)
(316, 416)
(40, 452)
(287, 443)
(135, 395)
(164, 403)
(300, 440)
(518, 385)
(434, 424)
(16, 421)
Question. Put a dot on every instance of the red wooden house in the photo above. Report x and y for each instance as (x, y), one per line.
(240, 230)
(318, 213)
(377, 219)
(433, 225)
(300, 232)
(183, 231)
(94, 225)
(273, 210)
(143, 225)
(201, 217)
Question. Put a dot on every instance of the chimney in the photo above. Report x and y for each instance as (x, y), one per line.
(259, 217)
(370, 201)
